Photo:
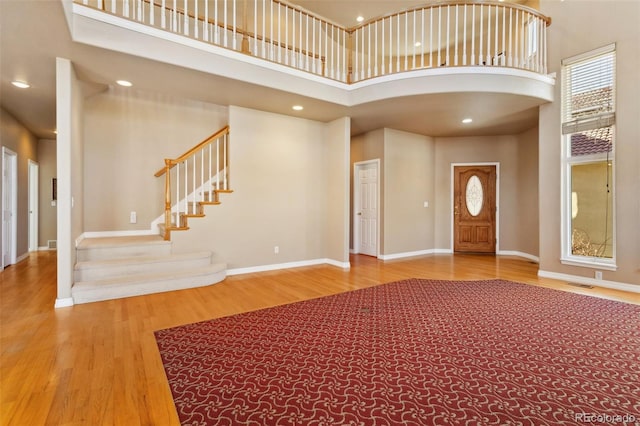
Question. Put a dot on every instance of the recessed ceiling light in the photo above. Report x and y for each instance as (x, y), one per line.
(21, 84)
(467, 120)
(360, 18)
(124, 83)
(297, 107)
(418, 44)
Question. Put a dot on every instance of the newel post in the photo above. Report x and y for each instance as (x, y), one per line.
(167, 198)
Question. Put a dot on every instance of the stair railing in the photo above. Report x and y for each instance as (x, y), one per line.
(195, 179)
(446, 33)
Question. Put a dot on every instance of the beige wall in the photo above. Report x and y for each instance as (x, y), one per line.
(48, 214)
(290, 191)
(408, 183)
(509, 152)
(568, 38)
(128, 135)
(18, 139)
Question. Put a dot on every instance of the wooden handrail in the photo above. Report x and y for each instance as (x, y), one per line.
(440, 3)
(170, 163)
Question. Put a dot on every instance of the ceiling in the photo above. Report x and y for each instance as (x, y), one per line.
(34, 33)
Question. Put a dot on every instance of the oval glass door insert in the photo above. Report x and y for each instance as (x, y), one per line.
(474, 195)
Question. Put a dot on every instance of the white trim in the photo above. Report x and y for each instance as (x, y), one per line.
(13, 181)
(23, 257)
(63, 303)
(590, 54)
(589, 262)
(406, 254)
(45, 248)
(518, 254)
(288, 265)
(451, 193)
(632, 288)
(356, 204)
(33, 203)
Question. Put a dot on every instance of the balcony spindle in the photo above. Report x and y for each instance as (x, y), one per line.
(448, 34)
(464, 35)
(439, 35)
(406, 40)
(430, 37)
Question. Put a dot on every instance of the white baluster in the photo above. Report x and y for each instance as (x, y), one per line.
(300, 55)
(186, 187)
(439, 35)
(235, 26)
(398, 51)
(140, 14)
(510, 59)
(382, 47)
(202, 174)
(473, 35)
(413, 65)
(216, 34)
(174, 17)
(313, 46)
(113, 7)
(422, 43)
(517, 44)
(306, 36)
(256, 49)
(186, 18)
(279, 33)
(356, 57)
(196, 18)
(177, 189)
(480, 54)
(205, 23)
(430, 37)
(209, 185)
(488, 59)
(464, 35)
(447, 62)
(455, 53)
(406, 40)
(504, 38)
(375, 50)
(368, 54)
(193, 188)
(152, 13)
(495, 47)
(225, 28)
(271, 52)
(125, 8)
(286, 35)
(224, 176)
(218, 163)
(163, 18)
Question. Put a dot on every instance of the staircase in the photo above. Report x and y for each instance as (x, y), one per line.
(116, 267)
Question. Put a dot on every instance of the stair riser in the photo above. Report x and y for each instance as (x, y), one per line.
(114, 271)
(104, 253)
(138, 289)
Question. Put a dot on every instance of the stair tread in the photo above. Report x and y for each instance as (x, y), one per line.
(132, 260)
(141, 278)
(110, 242)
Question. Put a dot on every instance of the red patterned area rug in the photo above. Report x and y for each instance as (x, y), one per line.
(413, 352)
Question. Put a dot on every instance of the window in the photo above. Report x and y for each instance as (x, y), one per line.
(588, 129)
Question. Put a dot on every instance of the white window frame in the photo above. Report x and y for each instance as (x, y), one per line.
(567, 257)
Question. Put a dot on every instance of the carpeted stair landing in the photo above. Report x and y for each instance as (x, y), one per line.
(116, 267)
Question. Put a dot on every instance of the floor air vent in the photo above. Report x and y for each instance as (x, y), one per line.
(52, 244)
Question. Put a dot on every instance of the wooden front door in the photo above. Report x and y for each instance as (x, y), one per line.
(474, 209)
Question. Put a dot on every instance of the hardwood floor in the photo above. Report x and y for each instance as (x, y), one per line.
(98, 363)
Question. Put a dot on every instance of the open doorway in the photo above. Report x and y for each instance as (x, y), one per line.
(34, 170)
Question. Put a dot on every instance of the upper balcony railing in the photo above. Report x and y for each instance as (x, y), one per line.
(443, 34)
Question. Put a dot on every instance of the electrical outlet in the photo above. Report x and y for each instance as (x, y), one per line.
(276, 249)
(133, 218)
(598, 275)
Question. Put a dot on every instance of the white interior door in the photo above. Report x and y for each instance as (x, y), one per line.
(33, 205)
(366, 224)
(9, 206)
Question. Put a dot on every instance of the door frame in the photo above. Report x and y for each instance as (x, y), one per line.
(34, 191)
(452, 199)
(356, 205)
(12, 184)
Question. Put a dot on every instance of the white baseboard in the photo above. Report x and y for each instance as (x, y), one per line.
(63, 303)
(632, 288)
(288, 265)
(414, 254)
(21, 258)
(45, 248)
(518, 254)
